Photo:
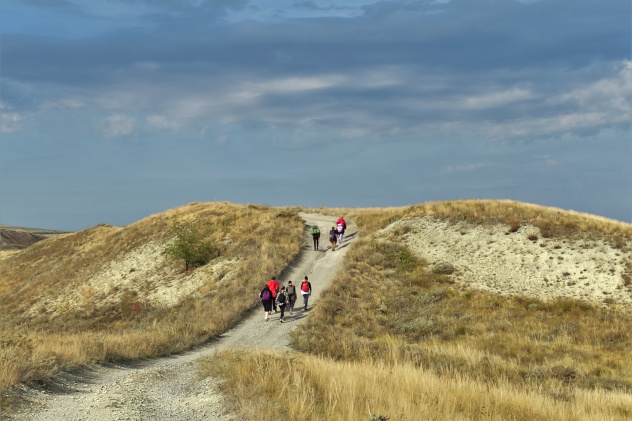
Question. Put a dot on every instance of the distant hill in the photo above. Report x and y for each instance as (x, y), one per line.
(17, 238)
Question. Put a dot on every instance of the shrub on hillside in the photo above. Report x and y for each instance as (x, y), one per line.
(189, 245)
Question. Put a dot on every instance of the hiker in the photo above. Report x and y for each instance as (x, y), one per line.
(274, 287)
(306, 290)
(341, 226)
(266, 300)
(282, 300)
(333, 237)
(315, 235)
(291, 295)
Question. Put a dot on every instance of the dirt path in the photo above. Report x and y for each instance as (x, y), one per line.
(167, 388)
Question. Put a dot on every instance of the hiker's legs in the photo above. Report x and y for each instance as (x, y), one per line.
(274, 306)
(340, 238)
(305, 299)
(333, 245)
(282, 311)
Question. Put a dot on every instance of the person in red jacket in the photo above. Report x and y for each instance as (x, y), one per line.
(341, 226)
(274, 287)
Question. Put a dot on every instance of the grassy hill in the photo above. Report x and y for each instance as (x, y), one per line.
(402, 336)
(109, 293)
(410, 329)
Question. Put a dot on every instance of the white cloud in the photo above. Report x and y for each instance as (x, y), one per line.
(119, 125)
(496, 99)
(9, 121)
(252, 91)
(161, 122)
(610, 97)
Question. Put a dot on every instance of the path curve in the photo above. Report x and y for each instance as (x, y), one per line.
(167, 388)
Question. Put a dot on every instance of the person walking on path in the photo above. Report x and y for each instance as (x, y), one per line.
(274, 287)
(341, 226)
(333, 237)
(291, 295)
(282, 301)
(306, 290)
(266, 300)
(315, 235)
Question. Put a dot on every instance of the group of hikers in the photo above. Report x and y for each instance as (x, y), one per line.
(335, 234)
(283, 298)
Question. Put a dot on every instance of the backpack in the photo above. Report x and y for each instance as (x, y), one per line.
(305, 286)
(315, 230)
(265, 295)
(281, 298)
(291, 291)
(332, 235)
(340, 228)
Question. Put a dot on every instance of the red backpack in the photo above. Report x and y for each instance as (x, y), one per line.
(305, 286)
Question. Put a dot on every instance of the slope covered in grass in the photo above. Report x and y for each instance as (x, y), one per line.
(110, 293)
(398, 313)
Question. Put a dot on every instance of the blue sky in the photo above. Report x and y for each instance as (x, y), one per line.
(114, 110)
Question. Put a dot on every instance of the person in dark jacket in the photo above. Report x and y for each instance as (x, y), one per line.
(315, 235)
(333, 238)
(282, 301)
(266, 300)
(291, 295)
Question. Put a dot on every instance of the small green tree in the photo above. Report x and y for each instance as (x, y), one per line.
(189, 245)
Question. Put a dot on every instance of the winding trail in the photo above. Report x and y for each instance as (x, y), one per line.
(167, 388)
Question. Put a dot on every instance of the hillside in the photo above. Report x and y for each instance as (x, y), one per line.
(110, 293)
(12, 238)
(512, 310)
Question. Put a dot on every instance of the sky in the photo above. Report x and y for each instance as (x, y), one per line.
(114, 110)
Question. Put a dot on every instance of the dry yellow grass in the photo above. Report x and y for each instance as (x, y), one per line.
(109, 293)
(393, 338)
(309, 388)
(552, 221)
(390, 337)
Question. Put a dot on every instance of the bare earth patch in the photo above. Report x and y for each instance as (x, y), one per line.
(490, 258)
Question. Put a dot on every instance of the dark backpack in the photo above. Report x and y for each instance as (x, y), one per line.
(281, 299)
(265, 295)
(332, 235)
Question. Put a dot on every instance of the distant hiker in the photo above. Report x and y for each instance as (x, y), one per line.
(315, 235)
(306, 290)
(291, 295)
(274, 287)
(282, 300)
(266, 300)
(341, 226)
(333, 237)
